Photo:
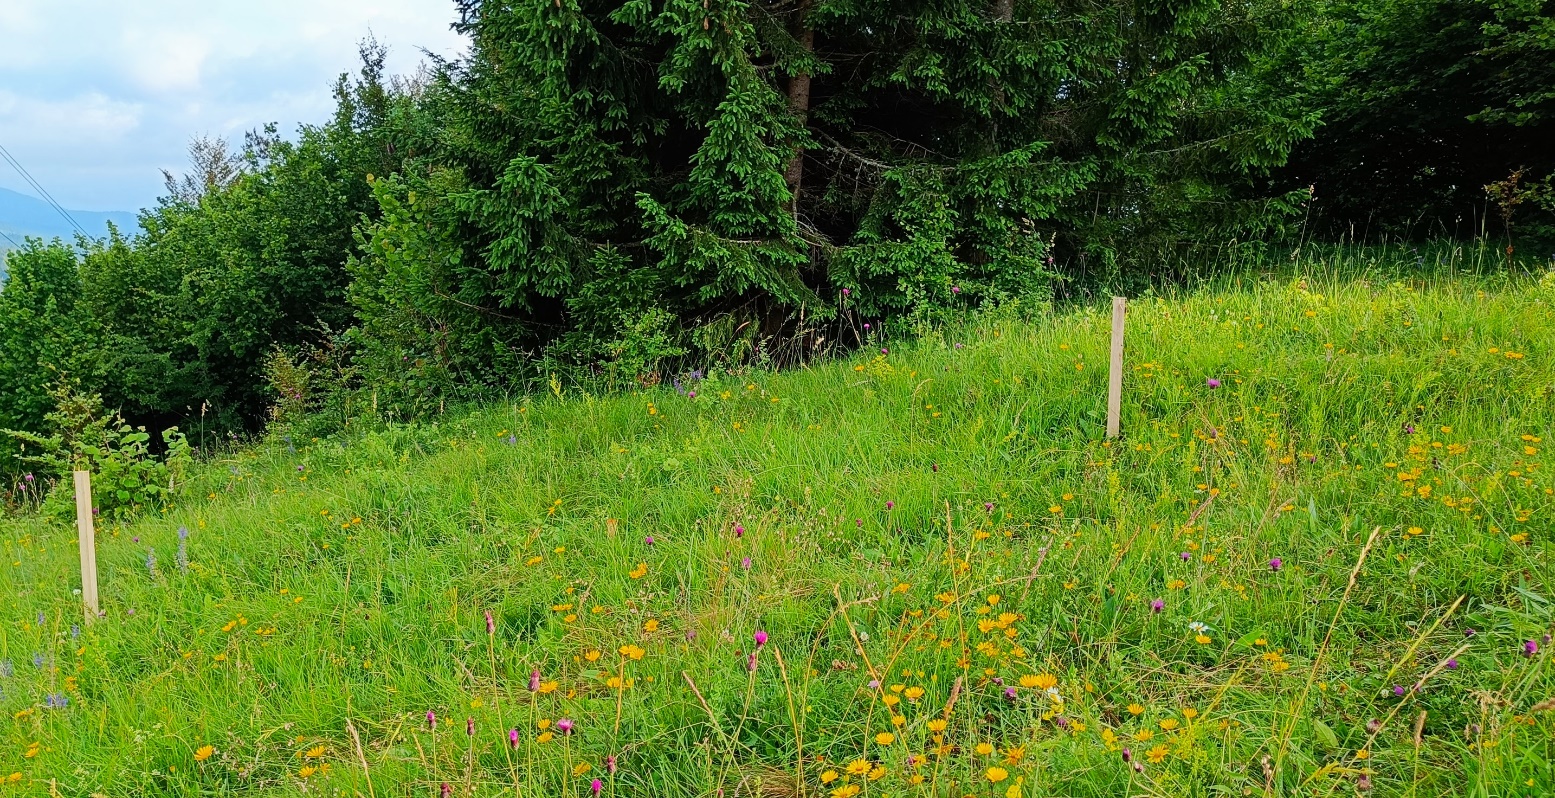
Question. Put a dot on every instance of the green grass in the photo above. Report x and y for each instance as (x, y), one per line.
(336, 590)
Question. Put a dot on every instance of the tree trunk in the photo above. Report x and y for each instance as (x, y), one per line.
(799, 102)
(1003, 10)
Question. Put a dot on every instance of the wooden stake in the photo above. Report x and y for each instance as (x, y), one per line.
(1115, 373)
(88, 539)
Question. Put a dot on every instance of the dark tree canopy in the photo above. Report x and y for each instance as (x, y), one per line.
(734, 165)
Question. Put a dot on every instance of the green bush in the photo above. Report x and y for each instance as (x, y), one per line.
(81, 435)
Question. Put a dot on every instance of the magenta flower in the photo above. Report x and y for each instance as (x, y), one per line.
(513, 737)
(761, 638)
(564, 725)
(1212, 382)
(431, 720)
(1156, 606)
(1274, 564)
(955, 289)
(446, 791)
(987, 507)
(1398, 690)
(1530, 648)
(890, 505)
(595, 786)
(649, 540)
(469, 727)
(1128, 756)
(846, 292)
(610, 764)
(1452, 664)
(491, 624)
(884, 351)
(750, 662)
(534, 681)
(746, 563)
(1009, 692)
(739, 531)
(1186, 556)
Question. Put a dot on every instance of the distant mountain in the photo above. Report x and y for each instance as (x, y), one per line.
(22, 215)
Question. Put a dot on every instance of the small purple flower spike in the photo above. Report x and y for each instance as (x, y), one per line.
(491, 624)
(890, 505)
(534, 681)
(1212, 382)
(1156, 606)
(1186, 556)
(1398, 690)
(761, 638)
(1274, 564)
(513, 737)
(431, 719)
(564, 725)
(649, 540)
(1530, 648)
(1452, 664)
(595, 786)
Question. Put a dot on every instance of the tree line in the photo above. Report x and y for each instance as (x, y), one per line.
(598, 188)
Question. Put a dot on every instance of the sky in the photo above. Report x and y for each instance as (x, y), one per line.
(98, 96)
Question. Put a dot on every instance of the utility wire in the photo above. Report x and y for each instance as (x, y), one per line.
(39, 188)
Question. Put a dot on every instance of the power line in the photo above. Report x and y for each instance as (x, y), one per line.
(39, 188)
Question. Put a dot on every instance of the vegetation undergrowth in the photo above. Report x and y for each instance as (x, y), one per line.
(1317, 562)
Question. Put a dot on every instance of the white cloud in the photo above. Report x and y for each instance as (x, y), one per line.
(167, 61)
(100, 94)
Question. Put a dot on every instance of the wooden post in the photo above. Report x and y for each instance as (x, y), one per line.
(88, 540)
(1115, 372)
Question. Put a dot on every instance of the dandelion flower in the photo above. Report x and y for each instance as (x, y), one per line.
(885, 738)
(996, 774)
(203, 753)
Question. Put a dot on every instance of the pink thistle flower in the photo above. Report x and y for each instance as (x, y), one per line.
(564, 725)
(595, 786)
(534, 681)
(761, 639)
(431, 720)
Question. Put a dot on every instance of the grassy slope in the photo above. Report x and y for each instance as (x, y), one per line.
(348, 580)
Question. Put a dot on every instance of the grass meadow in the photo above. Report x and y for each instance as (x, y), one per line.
(1317, 563)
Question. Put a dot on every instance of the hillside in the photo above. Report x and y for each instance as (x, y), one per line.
(1317, 562)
